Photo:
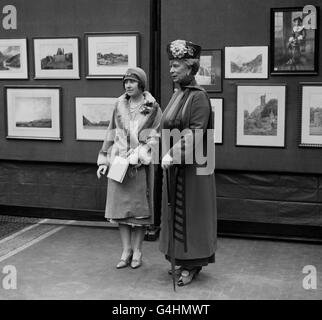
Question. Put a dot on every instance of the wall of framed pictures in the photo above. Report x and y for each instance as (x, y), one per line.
(268, 167)
(253, 65)
(267, 96)
(66, 59)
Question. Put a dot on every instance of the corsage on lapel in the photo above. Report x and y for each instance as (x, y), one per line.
(148, 104)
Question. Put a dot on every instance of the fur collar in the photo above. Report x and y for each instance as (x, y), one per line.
(148, 98)
(144, 117)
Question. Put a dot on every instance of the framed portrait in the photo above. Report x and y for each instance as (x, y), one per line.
(110, 54)
(33, 112)
(261, 115)
(246, 62)
(56, 58)
(93, 116)
(311, 115)
(13, 59)
(217, 109)
(294, 41)
(209, 74)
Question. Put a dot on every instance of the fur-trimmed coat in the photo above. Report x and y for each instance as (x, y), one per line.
(133, 198)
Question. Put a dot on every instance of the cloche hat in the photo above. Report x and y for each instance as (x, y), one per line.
(136, 74)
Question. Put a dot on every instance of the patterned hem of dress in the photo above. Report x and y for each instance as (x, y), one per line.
(143, 221)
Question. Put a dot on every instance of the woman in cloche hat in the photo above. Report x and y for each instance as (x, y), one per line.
(132, 134)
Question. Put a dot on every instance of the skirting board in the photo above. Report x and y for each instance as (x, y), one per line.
(228, 228)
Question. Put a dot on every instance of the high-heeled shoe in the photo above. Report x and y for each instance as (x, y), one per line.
(136, 263)
(123, 263)
(187, 276)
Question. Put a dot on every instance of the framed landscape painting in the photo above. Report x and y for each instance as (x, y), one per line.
(209, 74)
(246, 62)
(93, 116)
(261, 115)
(294, 41)
(13, 59)
(110, 54)
(33, 112)
(56, 58)
(217, 109)
(311, 115)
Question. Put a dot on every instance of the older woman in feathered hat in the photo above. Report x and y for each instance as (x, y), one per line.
(133, 135)
(188, 181)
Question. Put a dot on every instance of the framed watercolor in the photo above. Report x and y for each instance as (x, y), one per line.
(261, 115)
(209, 74)
(110, 54)
(217, 108)
(294, 45)
(311, 115)
(13, 59)
(56, 58)
(93, 116)
(33, 112)
(246, 62)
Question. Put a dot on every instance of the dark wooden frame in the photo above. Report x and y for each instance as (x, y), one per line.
(75, 116)
(110, 34)
(272, 45)
(27, 62)
(285, 122)
(301, 144)
(222, 119)
(250, 77)
(34, 87)
(62, 77)
(214, 87)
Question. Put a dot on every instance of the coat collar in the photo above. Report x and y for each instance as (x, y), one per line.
(124, 114)
(193, 85)
(148, 98)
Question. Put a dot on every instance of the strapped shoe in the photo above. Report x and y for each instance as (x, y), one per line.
(136, 263)
(125, 262)
(187, 276)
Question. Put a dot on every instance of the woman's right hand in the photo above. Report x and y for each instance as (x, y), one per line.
(101, 170)
(167, 161)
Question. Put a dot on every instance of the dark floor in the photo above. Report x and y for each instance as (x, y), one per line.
(57, 261)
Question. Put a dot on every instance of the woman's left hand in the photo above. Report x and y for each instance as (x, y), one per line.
(133, 156)
(167, 161)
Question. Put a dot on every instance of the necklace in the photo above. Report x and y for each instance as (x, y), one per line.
(135, 107)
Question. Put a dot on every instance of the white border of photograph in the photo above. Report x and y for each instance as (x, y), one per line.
(281, 33)
(29, 132)
(107, 39)
(246, 92)
(41, 50)
(92, 134)
(245, 54)
(211, 61)
(19, 73)
(217, 108)
(310, 93)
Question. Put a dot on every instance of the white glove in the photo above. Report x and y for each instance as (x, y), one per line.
(167, 161)
(134, 156)
(145, 155)
(101, 170)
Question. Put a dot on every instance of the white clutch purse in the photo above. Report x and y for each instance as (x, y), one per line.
(118, 169)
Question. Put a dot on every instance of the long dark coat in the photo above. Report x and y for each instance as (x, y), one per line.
(196, 215)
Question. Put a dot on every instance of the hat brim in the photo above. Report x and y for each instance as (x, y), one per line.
(130, 78)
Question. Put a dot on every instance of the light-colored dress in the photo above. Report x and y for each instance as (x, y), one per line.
(131, 201)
